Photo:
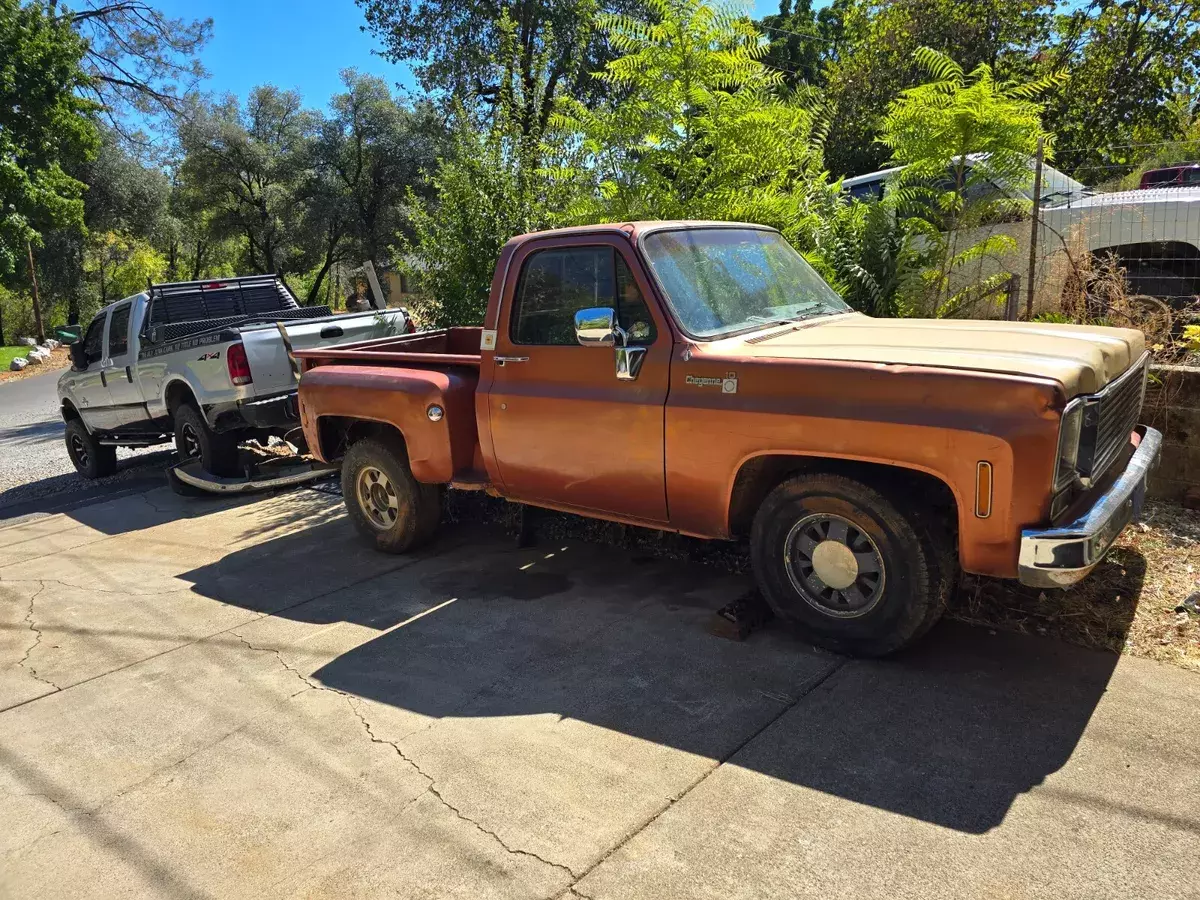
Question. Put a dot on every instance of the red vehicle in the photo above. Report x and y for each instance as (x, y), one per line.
(700, 377)
(1181, 175)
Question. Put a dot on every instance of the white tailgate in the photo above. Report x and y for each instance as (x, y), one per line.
(269, 365)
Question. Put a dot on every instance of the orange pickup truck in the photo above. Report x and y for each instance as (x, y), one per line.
(700, 377)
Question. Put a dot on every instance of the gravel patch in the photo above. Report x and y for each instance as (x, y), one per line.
(33, 457)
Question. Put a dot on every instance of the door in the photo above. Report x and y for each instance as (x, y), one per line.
(88, 389)
(124, 394)
(565, 430)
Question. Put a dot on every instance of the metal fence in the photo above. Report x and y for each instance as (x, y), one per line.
(1119, 242)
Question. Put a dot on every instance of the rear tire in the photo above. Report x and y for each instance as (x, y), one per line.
(218, 453)
(90, 458)
(391, 510)
(841, 563)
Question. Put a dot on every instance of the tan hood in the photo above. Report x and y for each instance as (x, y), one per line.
(1082, 358)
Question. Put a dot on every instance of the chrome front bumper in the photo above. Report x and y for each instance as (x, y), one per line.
(1062, 556)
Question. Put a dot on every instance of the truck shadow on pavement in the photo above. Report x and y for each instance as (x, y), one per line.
(951, 732)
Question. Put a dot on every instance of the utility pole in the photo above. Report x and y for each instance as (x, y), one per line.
(1034, 218)
(37, 307)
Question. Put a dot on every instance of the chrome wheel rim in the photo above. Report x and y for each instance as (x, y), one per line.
(191, 442)
(834, 565)
(377, 497)
(79, 449)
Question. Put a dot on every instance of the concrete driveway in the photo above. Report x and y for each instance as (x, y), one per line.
(235, 700)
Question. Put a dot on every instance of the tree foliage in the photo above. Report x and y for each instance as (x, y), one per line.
(1130, 65)
(958, 136)
(701, 129)
(876, 60)
(45, 126)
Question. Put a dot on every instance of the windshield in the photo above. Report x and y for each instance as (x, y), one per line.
(1056, 187)
(722, 280)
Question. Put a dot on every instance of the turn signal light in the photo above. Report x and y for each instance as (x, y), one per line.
(239, 366)
(983, 489)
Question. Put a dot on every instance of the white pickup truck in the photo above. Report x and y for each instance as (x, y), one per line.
(204, 363)
(1154, 236)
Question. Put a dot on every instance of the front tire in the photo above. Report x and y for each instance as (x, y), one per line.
(837, 560)
(218, 453)
(390, 509)
(90, 458)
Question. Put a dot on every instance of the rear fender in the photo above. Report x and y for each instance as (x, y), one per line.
(402, 398)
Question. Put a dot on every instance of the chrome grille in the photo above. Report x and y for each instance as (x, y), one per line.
(1108, 419)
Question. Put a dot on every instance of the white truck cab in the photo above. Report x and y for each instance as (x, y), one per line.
(208, 364)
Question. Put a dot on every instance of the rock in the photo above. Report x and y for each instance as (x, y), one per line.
(52, 344)
(1190, 605)
(37, 357)
(17, 364)
(26, 342)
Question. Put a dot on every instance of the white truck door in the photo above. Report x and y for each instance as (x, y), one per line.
(126, 406)
(88, 391)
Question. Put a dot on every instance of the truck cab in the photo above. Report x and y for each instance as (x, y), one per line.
(700, 377)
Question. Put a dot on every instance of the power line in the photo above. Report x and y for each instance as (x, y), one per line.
(807, 35)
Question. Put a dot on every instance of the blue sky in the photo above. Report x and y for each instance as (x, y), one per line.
(300, 44)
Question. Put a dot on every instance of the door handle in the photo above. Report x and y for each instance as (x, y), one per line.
(501, 360)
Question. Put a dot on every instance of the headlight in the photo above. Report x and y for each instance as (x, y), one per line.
(1068, 444)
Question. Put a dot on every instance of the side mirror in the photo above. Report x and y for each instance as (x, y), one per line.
(596, 327)
(78, 356)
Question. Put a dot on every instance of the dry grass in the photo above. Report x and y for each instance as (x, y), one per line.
(1126, 606)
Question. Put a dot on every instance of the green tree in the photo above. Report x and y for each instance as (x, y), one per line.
(453, 46)
(496, 181)
(253, 164)
(702, 129)
(45, 127)
(803, 40)
(1128, 62)
(374, 151)
(875, 60)
(958, 136)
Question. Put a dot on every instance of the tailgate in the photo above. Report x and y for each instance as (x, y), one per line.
(269, 364)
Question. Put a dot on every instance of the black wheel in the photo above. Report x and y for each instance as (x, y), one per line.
(90, 458)
(392, 511)
(841, 563)
(218, 453)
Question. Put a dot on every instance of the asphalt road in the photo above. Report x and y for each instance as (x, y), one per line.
(35, 472)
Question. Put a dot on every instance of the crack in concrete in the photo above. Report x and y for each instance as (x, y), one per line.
(433, 789)
(37, 640)
(804, 691)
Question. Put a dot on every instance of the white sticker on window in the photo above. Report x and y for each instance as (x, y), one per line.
(488, 341)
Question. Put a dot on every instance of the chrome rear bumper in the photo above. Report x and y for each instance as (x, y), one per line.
(1064, 555)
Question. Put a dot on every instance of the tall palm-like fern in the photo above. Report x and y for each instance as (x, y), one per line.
(699, 127)
(966, 142)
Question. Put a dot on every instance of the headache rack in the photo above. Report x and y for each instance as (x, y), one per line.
(218, 298)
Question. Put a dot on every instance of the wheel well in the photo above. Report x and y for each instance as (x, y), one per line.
(69, 411)
(1178, 258)
(759, 476)
(178, 393)
(337, 433)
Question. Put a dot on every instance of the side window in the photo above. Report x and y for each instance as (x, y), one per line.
(93, 340)
(555, 284)
(632, 312)
(118, 331)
